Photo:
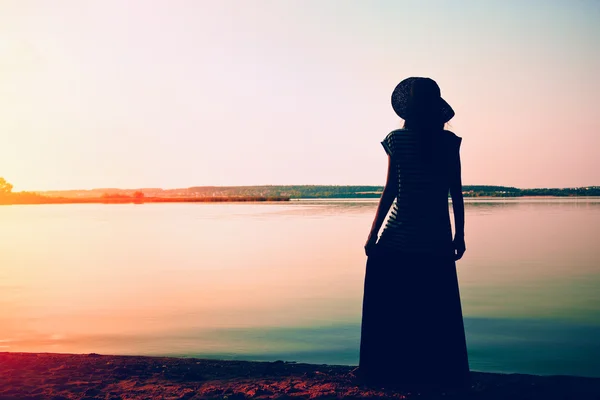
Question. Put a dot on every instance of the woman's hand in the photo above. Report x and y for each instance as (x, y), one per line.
(370, 245)
(459, 247)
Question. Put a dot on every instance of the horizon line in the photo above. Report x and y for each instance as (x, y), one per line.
(270, 185)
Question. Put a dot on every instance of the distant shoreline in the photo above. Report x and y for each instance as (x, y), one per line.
(270, 193)
(480, 199)
(132, 200)
(257, 199)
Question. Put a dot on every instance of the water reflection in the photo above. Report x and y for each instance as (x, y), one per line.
(284, 280)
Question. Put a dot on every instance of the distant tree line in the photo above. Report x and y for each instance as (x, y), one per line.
(292, 191)
(256, 193)
(7, 196)
(117, 196)
(332, 191)
(502, 191)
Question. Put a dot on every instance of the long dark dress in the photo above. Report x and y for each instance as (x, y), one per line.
(412, 331)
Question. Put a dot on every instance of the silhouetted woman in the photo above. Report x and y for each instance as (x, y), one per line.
(412, 330)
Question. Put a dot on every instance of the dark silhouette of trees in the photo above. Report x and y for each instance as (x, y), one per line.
(258, 193)
(5, 187)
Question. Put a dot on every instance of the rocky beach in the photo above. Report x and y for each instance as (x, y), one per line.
(93, 376)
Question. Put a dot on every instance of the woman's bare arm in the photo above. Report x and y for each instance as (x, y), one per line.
(458, 206)
(385, 202)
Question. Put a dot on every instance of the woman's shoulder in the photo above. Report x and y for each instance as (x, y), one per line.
(450, 134)
(399, 133)
(451, 137)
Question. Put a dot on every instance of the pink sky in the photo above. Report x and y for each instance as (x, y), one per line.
(185, 93)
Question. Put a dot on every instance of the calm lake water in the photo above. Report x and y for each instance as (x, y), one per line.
(271, 281)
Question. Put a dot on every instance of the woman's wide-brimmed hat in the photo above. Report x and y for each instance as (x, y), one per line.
(416, 98)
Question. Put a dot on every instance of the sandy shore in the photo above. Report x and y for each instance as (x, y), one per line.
(92, 376)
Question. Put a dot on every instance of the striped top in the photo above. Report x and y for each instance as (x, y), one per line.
(420, 219)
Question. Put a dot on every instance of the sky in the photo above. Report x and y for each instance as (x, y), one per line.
(175, 93)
